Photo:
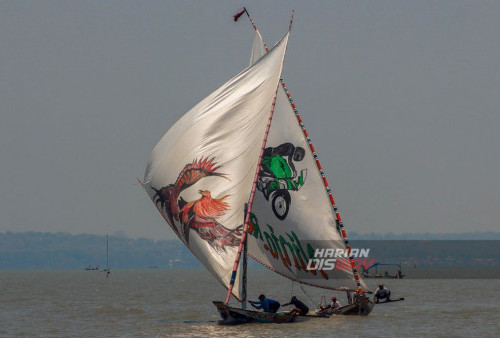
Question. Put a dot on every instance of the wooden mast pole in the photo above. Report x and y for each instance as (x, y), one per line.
(250, 201)
(254, 186)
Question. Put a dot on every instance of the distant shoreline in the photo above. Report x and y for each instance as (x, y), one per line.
(59, 251)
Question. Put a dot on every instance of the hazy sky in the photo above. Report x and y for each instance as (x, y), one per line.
(401, 99)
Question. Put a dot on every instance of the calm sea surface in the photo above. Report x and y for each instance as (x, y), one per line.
(160, 303)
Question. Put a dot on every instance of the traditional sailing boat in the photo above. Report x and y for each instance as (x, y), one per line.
(228, 181)
(398, 274)
(108, 269)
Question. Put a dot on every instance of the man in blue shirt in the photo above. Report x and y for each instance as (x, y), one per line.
(267, 304)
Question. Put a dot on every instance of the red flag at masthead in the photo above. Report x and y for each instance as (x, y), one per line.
(237, 16)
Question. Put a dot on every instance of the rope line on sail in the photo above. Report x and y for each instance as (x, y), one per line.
(299, 281)
(340, 225)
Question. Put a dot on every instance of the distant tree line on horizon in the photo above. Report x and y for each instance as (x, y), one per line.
(36, 250)
(39, 250)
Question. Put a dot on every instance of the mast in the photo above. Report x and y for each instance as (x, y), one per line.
(107, 253)
(243, 269)
(108, 271)
(250, 201)
(340, 224)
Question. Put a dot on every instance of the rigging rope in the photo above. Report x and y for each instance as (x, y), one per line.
(303, 290)
(305, 293)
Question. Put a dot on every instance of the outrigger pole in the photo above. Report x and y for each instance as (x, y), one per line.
(340, 224)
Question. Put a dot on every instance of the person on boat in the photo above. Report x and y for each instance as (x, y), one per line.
(266, 304)
(359, 296)
(382, 293)
(349, 297)
(300, 309)
(333, 306)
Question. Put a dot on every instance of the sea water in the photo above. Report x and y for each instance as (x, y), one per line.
(178, 302)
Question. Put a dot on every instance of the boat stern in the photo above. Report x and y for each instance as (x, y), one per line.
(229, 317)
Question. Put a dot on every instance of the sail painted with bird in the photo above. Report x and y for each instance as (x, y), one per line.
(200, 174)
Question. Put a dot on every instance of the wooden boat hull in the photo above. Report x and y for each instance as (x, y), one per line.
(232, 315)
(362, 308)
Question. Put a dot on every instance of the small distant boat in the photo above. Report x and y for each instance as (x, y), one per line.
(398, 274)
(230, 184)
(92, 268)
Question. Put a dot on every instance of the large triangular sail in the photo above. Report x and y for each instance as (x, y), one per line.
(292, 217)
(201, 172)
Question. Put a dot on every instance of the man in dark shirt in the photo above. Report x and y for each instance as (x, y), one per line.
(300, 308)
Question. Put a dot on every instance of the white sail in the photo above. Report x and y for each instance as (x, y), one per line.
(201, 172)
(258, 48)
(292, 215)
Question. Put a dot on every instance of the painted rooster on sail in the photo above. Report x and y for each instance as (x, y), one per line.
(199, 215)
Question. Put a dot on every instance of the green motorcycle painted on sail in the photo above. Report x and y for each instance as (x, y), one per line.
(277, 176)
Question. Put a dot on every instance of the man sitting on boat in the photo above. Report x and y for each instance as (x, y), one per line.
(382, 293)
(333, 306)
(301, 309)
(266, 304)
